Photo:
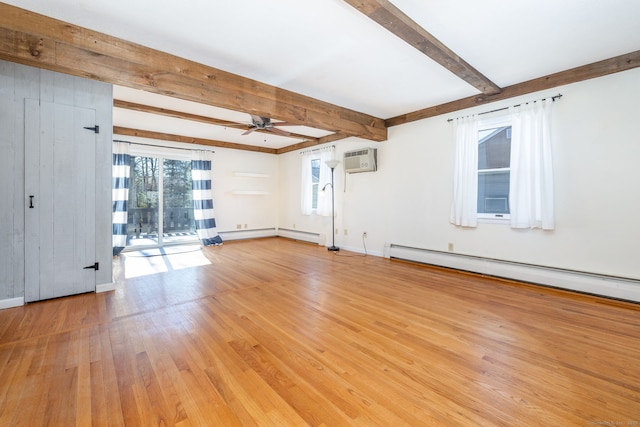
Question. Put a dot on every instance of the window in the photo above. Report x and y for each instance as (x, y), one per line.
(503, 168)
(315, 182)
(494, 154)
(315, 174)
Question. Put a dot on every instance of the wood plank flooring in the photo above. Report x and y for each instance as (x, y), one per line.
(283, 333)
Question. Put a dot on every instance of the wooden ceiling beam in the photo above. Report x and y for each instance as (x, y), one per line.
(36, 40)
(127, 105)
(197, 118)
(590, 71)
(397, 22)
(306, 144)
(189, 139)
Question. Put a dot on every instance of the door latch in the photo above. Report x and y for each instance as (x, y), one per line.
(95, 267)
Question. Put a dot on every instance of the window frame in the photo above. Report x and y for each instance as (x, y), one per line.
(486, 124)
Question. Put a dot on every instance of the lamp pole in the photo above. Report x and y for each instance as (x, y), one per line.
(332, 164)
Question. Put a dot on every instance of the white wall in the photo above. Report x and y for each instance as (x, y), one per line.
(251, 212)
(596, 143)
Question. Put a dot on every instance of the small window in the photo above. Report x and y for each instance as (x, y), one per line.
(315, 181)
(494, 158)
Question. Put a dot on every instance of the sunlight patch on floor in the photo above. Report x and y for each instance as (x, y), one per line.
(161, 260)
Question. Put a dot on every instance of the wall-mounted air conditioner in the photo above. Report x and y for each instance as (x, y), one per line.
(364, 160)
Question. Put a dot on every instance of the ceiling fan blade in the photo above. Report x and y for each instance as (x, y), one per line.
(279, 131)
(248, 131)
(283, 124)
(236, 125)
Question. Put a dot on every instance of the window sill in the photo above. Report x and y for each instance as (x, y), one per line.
(494, 220)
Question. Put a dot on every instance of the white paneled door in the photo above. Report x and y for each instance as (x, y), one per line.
(60, 200)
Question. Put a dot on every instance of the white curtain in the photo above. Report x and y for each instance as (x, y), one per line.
(324, 201)
(306, 195)
(465, 172)
(531, 184)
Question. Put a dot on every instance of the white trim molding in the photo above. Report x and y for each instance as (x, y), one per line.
(105, 287)
(11, 302)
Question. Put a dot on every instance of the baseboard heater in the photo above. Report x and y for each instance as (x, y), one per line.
(304, 236)
(590, 283)
(247, 234)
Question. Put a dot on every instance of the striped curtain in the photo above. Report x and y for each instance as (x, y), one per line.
(203, 198)
(120, 195)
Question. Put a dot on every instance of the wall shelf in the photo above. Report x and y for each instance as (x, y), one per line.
(251, 175)
(249, 193)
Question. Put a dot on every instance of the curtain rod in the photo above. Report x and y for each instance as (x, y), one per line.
(553, 98)
(318, 149)
(163, 146)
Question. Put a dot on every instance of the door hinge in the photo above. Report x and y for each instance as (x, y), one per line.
(95, 267)
(95, 129)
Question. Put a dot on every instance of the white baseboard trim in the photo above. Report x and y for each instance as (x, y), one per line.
(247, 234)
(608, 286)
(105, 287)
(362, 251)
(11, 302)
(304, 236)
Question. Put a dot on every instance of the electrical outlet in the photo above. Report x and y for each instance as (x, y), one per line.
(450, 247)
(239, 226)
(345, 232)
(364, 235)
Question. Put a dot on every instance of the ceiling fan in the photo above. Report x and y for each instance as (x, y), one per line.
(265, 123)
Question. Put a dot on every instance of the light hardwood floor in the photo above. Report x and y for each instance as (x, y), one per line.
(277, 332)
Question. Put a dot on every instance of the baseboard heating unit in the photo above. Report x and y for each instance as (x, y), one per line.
(304, 236)
(596, 284)
(247, 234)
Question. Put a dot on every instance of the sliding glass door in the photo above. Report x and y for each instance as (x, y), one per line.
(178, 223)
(160, 202)
(142, 227)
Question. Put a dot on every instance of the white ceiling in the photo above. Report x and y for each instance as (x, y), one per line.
(328, 50)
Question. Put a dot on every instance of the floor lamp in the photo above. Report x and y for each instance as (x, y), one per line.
(332, 164)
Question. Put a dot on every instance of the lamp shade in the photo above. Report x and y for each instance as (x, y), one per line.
(332, 163)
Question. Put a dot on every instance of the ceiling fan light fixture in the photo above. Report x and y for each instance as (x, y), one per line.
(265, 123)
